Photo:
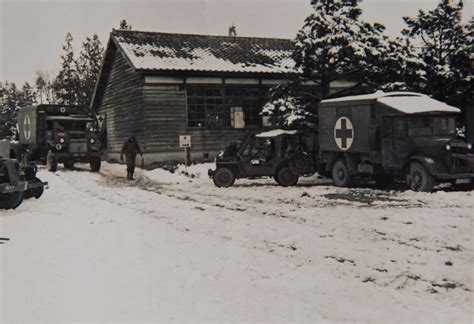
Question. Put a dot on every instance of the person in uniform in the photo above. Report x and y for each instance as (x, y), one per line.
(130, 148)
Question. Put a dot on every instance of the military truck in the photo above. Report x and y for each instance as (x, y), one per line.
(403, 135)
(56, 134)
(284, 155)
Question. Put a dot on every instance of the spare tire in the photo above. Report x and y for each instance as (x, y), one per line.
(300, 164)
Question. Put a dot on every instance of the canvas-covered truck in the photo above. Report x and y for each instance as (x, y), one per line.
(402, 135)
(56, 134)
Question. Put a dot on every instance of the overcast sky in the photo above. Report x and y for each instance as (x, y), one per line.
(32, 32)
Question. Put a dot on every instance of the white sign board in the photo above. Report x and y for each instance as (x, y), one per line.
(185, 141)
(237, 117)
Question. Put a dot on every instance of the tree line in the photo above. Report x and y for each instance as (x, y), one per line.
(73, 85)
(431, 56)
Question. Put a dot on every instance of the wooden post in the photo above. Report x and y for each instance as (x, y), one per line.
(187, 156)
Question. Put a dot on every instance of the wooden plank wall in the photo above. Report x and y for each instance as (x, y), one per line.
(165, 120)
(122, 103)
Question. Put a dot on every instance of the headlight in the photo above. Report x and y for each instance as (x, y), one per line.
(61, 140)
(59, 147)
(469, 146)
(92, 140)
(220, 154)
(448, 147)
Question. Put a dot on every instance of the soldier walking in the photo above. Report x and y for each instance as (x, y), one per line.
(130, 148)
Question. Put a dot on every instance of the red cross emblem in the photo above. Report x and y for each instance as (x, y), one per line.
(344, 133)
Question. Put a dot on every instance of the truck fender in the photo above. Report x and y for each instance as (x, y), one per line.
(432, 166)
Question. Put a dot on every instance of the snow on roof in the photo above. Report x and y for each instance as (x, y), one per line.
(70, 118)
(166, 51)
(417, 105)
(373, 96)
(276, 132)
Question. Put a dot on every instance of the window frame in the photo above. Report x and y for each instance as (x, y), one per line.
(228, 101)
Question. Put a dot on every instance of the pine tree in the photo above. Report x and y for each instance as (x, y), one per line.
(66, 84)
(88, 67)
(334, 44)
(445, 44)
(27, 96)
(8, 108)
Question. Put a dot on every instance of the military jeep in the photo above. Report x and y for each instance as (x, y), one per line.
(284, 155)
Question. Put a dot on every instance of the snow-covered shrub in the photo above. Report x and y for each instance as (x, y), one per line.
(287, 112)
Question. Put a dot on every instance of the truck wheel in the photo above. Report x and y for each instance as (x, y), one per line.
(223, 178)
(69, 164)
(286, 178)
(419, 179)
(52, 161)
(95, 165)
(341, 175)
(11, 200)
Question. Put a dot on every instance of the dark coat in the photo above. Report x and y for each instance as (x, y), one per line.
(130, 148)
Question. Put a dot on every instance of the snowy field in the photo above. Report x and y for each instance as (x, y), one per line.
(172, 247)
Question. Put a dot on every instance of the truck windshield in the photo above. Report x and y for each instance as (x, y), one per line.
(70, 125)
(426, 126)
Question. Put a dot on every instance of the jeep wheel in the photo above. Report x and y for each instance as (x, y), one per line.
(52, 161)
(69, 164)
(95, 165)
(286, 178)
(11, 200)
(341, 175)
(418, 178)
(223, 178)
(300, 164)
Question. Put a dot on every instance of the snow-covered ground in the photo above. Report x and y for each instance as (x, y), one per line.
(172, 247)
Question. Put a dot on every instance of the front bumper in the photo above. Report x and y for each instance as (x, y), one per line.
(34, 185)
(8, 188)
(76, 156)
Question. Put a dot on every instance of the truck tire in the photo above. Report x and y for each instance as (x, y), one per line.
(223, 178)
(286, 178)
(95, 165)
(300, 164)
(69, 164)
(11, 200)
(51, 161)
(419, 179)
(341, 175)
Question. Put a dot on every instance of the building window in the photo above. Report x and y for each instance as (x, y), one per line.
(224, 106)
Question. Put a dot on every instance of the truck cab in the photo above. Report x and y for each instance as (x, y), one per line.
(403, 135)
(59, 134)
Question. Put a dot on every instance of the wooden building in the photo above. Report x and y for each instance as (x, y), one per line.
(158, 86)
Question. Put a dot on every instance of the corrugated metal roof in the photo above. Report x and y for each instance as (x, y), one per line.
(185, 52)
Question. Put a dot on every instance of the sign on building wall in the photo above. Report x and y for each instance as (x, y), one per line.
(237, 117)
(185, 141)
